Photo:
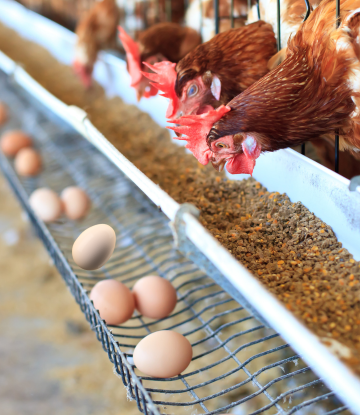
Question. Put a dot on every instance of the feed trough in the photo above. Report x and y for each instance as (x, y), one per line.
(150, 249)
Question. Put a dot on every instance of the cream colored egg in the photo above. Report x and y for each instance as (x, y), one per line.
(163, 354)
(46, 204)
(114, 301)
(28, 162)
(13, 141)
(76, 202)
(3, 113)
(93, 248)
(155, 297)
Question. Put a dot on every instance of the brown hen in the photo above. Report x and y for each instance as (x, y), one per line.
(95, 32)
(218, 70)
(310, 95)
(161, 42)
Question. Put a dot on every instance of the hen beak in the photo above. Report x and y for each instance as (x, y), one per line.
(218, 164)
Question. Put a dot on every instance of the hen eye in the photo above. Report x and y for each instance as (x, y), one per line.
(192, 90)
(220, 145)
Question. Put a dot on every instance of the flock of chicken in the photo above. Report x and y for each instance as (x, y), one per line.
(235, 96)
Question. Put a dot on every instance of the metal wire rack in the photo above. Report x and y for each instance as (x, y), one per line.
(238, 362)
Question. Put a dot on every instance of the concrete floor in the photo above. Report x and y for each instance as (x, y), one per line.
(50, 361)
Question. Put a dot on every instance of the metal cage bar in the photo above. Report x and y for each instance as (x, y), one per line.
(337, 139)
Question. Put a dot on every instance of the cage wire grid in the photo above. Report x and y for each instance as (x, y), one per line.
(237, 363)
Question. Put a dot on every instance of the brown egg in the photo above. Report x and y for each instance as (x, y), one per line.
(13, 141)
(3, 113)
(114, 301)
(46, 204)
(93, 248)
(28, 162)
(163, 354)
(76, 202)
(155, 297)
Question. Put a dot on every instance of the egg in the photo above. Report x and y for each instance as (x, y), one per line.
(94, 247)
(3, 113)
(114, 301)
(27, 162)
(13, 141)
(46, 204)
(76, 202)
(155, 297)
(163, 354)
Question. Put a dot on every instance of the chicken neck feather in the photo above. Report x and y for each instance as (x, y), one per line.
(310, 94)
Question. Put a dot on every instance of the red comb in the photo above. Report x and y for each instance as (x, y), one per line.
(197, 128)
(132, 55)
(164, 79)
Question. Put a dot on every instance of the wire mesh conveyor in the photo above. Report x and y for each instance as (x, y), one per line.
(238, 362)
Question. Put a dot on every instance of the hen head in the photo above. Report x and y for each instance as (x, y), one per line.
(197, 94)
(138, 81)
(83, 64)
(189, 95)
(238, 151)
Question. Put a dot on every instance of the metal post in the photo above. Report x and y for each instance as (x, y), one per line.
(307, 10)
(157, 11)
(278, 25)
(337, 131)
(217, 19)
(232, 13)
(145, 9)
(201, 17)
(168, 6)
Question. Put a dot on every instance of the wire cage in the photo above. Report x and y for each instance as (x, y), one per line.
(239, 364)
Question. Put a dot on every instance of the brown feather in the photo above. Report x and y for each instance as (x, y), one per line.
(238, 57)
(169, 40)
(307, 96)
(99, 26)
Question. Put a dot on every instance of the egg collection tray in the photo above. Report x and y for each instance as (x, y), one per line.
(238, 361)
